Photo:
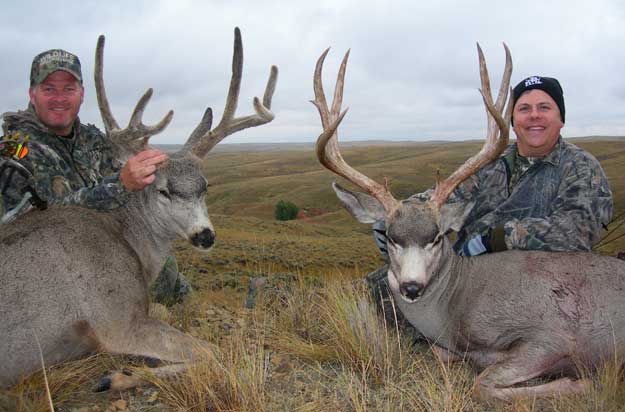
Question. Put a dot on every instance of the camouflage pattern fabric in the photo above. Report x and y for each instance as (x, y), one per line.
(557, 203)
(74, 170)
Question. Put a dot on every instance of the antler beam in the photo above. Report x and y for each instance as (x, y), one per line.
(133, 138)
(327, 143)
(497, 133)
(202, 140)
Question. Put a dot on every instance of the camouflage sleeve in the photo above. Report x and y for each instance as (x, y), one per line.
(50, 184)
(581, 209)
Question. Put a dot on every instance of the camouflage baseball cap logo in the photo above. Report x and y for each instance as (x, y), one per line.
(51, 61)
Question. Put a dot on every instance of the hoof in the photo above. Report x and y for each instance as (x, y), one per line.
(103, 385)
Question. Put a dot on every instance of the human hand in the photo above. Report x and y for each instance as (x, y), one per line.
(138, 171)
(477, 245)
(493, 241)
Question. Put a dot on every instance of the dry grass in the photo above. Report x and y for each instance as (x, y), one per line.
(232, 378)
(309, 346)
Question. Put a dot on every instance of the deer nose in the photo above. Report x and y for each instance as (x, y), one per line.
(411, 290)
(203, 239)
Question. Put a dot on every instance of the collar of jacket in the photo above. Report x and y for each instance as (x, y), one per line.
(553, 157)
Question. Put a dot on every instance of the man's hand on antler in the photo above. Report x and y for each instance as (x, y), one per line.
(138, 171)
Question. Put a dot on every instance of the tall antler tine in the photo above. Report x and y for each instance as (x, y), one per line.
(270, 88)
(509, 107)
(103, 103)
(337, 101)
(484, 77)
(232, 100)
(320, 98)
(505, 81)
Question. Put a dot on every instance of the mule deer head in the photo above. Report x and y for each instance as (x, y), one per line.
(416, 229)
(177, 195)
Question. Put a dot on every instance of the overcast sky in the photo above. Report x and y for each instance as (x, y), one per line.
(412, 73)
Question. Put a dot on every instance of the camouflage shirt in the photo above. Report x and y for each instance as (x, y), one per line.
(556, 203)
(74, 170)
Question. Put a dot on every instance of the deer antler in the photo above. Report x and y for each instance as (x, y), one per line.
(327, 142)
(202, 140)
(497, 124)
(133, 138)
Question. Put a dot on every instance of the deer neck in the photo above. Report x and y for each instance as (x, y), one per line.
(145, 234)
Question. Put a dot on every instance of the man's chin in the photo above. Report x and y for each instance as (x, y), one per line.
(61, 128)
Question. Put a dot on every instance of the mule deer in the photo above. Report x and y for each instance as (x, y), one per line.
(515, 315)
(78, 279)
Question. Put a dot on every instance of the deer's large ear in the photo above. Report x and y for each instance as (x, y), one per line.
(456, 210)
(364, 208)
(453, 215)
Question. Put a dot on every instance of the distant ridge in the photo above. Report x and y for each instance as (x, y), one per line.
(274, 147)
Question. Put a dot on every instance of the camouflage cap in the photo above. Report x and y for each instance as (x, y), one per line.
(53, 60)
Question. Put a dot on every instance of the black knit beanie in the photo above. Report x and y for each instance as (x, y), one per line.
(548, 85)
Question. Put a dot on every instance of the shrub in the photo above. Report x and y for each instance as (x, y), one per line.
(285, 210)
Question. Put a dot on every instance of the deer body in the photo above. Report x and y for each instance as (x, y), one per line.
(487, 307)
(77, 280)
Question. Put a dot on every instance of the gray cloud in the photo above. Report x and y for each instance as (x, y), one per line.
(412, 72)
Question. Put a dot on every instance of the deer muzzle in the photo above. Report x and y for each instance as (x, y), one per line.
(203, 239)
(411, 290)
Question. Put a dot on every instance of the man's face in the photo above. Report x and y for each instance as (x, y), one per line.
(57, 101)
(537, 123)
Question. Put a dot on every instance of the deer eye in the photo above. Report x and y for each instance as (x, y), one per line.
(165, 193)
(393, 244)
(437, 240)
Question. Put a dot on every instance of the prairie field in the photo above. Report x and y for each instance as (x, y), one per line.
(294, 326)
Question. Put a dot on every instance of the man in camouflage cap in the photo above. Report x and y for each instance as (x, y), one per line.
(541, 194)
(49, 157)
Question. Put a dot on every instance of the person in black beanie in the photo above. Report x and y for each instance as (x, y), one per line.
(542, 193)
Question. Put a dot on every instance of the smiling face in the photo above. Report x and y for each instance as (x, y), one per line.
(537, 123)
(57, 101)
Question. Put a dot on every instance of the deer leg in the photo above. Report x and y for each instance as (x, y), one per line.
(497, 381)
(444, 355)
(124, 380)
(153, 339)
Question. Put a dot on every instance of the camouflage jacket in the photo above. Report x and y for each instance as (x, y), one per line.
(75, 170)
(556, 203)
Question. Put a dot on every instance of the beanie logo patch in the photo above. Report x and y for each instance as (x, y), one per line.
(530, 81)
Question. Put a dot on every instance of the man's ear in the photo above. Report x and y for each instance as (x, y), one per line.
(31, 94)
(453, 215)
(364, 208)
